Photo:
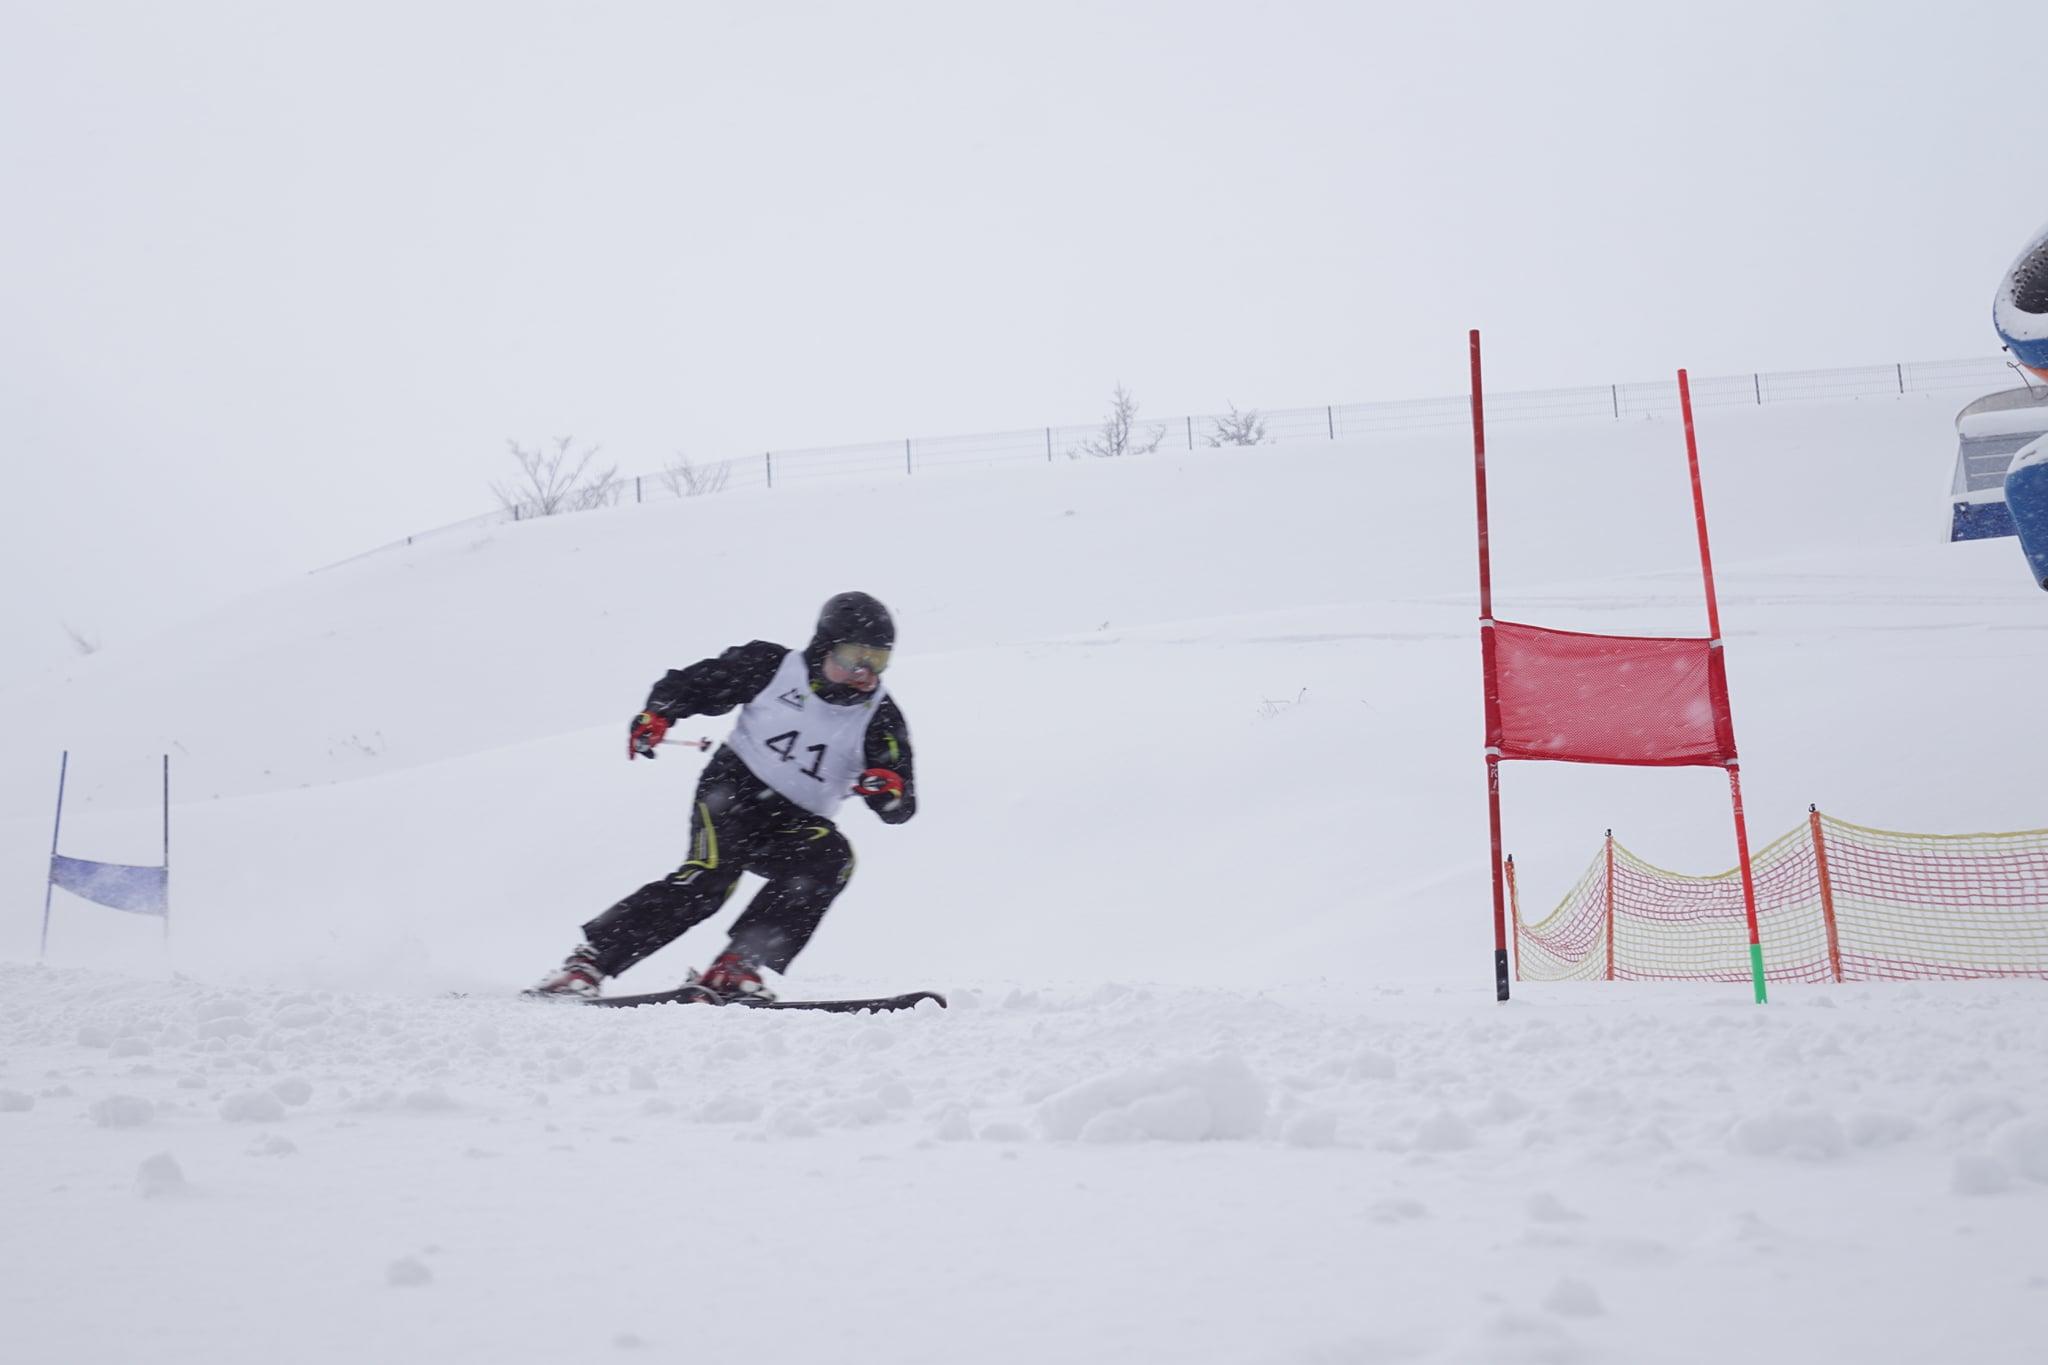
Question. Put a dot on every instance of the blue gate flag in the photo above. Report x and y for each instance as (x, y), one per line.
(118, 886)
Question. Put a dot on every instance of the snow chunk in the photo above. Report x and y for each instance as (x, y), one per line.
(1977, 1173)
(293, 1090)
(1804, 1134)
(1398, 1210)
(729, 1108)
(408, 1272)
(1443, 1131)
(160, 1175)
(252, 1106)
(1976, 1112)
(1876, 1129)
(122, 1111)
(1517, 1337)
(1185, 1101)
(1546, 1207)
(1505, 1106)
(16, 1102)
(432, 1100)
(272, 1144)
(1112, 1125)
(792, 1121)
(2024, 1147)
(1573, 1299)
(1310, 1128)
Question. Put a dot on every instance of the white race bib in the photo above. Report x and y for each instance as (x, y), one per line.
(803, 746)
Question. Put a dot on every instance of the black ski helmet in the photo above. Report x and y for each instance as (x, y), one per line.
(855, 618)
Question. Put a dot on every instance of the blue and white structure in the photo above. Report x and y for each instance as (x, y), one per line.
(2026, 497)
(1990, 433)
(2020, 310)
(1993, 431)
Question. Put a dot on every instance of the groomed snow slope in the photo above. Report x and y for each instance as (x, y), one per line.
(1202, 860)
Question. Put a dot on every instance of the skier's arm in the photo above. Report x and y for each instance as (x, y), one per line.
(888, 746)
(712, 687)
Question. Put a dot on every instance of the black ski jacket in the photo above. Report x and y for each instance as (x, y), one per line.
(712, 687)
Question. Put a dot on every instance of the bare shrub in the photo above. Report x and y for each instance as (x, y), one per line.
(555, 481)
(1245, 428)
(1119, 433)
(685, 479)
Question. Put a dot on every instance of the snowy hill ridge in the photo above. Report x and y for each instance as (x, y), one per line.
(1202, 862)
(1273, 426)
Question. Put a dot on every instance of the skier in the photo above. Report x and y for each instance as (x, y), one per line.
(815, 726)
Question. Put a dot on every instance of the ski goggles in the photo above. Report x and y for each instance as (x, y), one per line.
(853, 658)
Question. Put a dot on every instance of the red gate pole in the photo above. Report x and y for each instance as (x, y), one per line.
(1699, 507)
(1827, 892)
(1486, 655)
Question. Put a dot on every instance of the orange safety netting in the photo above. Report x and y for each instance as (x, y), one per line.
(1835, 902)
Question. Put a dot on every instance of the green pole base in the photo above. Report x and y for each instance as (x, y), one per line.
(1756, 970)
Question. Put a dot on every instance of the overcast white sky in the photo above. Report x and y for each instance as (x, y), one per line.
(277, 281)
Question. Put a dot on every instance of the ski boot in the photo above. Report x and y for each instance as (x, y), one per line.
(730, 977)
(576, 979)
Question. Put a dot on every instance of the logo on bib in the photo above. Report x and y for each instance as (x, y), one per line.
(793, 699)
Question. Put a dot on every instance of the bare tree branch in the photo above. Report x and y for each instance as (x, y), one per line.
(685, 479)
(549, 484)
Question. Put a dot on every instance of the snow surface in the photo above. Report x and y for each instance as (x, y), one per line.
(1202, 863)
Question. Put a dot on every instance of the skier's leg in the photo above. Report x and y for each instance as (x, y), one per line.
(807, 866)
(659, 912)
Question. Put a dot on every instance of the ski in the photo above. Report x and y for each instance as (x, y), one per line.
(691, 995)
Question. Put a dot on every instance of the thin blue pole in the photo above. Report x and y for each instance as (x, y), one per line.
(167, 848)
(49, 879)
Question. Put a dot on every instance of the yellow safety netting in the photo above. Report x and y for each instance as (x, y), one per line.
(1835, 902)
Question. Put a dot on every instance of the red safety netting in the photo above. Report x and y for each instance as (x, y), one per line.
(1835, 901)
(1644, 701)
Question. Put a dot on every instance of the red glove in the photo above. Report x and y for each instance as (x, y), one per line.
(644, 734)
(878, 782)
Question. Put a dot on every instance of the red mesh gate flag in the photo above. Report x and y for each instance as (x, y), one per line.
(1625, 699)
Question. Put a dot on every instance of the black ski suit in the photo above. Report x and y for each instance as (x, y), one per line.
(741, 824)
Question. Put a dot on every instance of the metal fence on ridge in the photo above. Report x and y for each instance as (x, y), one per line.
(923, 454)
